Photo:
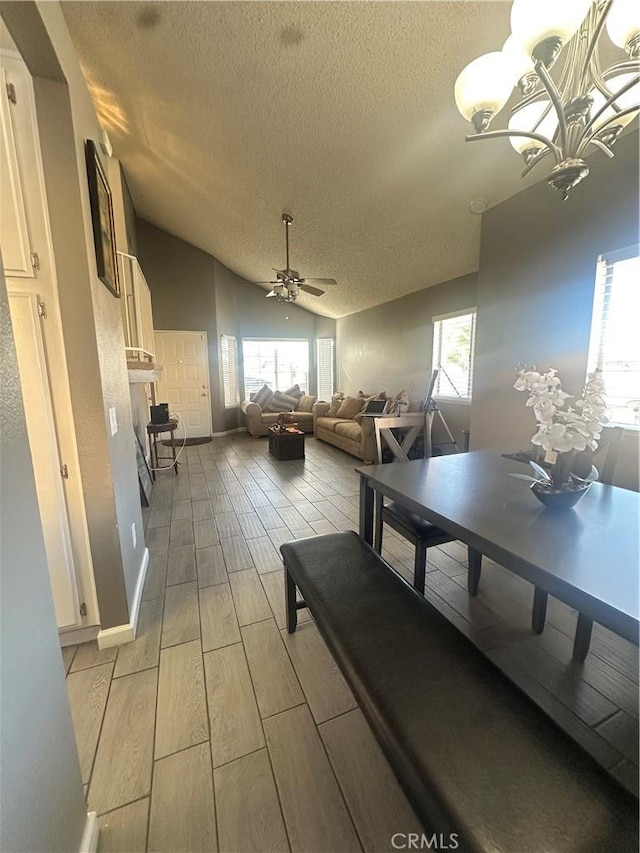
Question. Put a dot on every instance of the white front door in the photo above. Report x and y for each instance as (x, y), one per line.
(185, 380)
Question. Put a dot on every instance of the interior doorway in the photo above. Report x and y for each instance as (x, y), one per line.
(185, 380)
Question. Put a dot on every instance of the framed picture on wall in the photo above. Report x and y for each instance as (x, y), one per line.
(102, 220)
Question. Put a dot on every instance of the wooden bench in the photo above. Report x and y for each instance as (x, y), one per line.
(474, 754)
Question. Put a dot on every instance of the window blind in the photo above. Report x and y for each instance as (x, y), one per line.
(325, 367)
(229, 362)
(453, 346)
(614, 346)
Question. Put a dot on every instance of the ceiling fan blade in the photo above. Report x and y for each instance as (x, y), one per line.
(266, 282)
(272, 293)
(327, 282)
(315, 291)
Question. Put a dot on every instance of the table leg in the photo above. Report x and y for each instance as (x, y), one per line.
(366, 510)
(475, 568)
(290, 600)
(583, 637)
(154, 456)
(539, 612)
(377, 518)
(173, 450)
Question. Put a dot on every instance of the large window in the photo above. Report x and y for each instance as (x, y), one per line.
(278, 364)
(615, 336)
(325, 361)
(453, 340)
(229, 364)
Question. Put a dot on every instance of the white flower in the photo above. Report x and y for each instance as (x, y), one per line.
(564, 429)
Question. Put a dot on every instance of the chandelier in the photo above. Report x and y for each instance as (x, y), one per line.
(580, 106)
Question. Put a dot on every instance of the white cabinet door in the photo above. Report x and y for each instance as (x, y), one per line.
(16, 240)
(185, 380)
(44, 453)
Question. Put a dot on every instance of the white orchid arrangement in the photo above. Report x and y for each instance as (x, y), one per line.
(565, 429)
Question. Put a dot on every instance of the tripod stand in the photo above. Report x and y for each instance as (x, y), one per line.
(430, 406)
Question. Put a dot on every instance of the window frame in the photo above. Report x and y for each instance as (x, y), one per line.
(597, 330)
(436, 360)
(255, 339)
(229, 370)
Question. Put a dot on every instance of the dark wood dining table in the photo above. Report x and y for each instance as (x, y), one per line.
(587, 557)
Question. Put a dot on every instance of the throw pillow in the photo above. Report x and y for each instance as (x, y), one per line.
(305, 403)
(263, 396)
(350, 408)
(333, 408)
(281, 403)
(294, 391)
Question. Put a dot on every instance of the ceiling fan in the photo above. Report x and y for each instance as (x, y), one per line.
(288, 282)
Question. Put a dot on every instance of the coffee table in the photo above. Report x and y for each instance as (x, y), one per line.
(286, 444)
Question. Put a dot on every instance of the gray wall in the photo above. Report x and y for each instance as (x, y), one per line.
(42, 807)
(193, 291)
(91, 318)
(182, 293)
(535, 293)
(389, 347)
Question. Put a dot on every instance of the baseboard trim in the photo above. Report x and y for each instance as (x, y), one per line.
(78, 635)
(120, 634)
(228, 432)
(116, 636)
(89, 843)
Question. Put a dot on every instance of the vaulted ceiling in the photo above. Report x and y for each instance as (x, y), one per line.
(226, 114)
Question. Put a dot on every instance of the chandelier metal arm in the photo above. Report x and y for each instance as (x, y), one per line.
(594, 42)
(601, 145)
(535, 161)
(497, 134)
(554, 95)
(592, 140)
(610, 102)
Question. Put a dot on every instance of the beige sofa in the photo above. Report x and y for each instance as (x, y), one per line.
(353, 435)
(258, 422)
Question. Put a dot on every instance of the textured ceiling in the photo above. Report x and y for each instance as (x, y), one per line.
(227, 114)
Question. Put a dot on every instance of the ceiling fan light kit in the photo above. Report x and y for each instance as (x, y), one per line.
(579, 107)
(288, 282)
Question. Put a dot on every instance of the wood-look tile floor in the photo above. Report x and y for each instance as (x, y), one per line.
(216, 730)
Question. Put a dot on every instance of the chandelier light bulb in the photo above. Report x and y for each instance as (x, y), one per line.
(528, 118)
(519, 60)
(535, 21)
(484, 86)
(623, 24)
